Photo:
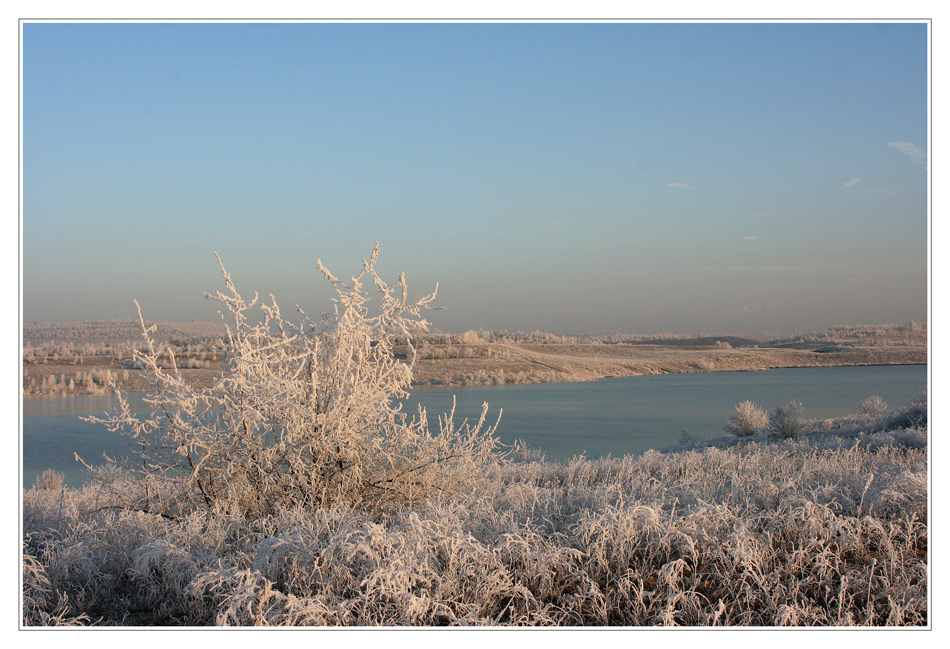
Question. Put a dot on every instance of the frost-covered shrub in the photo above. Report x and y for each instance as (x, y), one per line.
(787, 421)
(49, 480)
(873, 405)
(471, 337)
(304, 414)
(747, 419)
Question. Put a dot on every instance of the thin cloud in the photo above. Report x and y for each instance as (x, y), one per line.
(683, 185)
(809, 269)
(911, 149)
(751, 237)
(852, 183)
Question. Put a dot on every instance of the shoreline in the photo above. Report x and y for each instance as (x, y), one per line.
(500, 364)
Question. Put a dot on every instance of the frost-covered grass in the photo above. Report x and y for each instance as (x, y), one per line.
(829, 528)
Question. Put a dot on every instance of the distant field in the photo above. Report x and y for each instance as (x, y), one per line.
(81, 358)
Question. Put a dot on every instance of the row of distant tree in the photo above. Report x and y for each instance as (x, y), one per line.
(121, 337)
(913, 333)
(101, 330)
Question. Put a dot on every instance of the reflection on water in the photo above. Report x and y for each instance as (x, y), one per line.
(608, 417)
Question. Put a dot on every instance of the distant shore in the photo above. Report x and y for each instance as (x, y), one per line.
(84, 358)
(491, 364)
(571, 363)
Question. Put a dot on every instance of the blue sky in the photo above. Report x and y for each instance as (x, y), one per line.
(641, 178)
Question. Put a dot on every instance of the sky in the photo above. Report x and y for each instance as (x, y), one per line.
(568, 177)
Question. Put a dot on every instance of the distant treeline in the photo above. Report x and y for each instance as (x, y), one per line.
(104, 338)
(101, 330)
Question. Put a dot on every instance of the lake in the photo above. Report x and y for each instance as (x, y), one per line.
(616, 417)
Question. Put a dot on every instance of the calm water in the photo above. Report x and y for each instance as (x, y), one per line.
(608, 417)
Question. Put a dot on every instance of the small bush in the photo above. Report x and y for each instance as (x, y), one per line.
(787, 421)
(747, 419)
(873, 405)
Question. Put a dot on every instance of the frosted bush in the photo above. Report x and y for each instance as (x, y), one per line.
(787, 421)
(471, 337)
(49, 480)
(304, 413)
(873, 405)
(747, 419)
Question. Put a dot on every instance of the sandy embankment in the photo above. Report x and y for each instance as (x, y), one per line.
(510, 363)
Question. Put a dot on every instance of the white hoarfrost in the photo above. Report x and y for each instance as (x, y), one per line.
(302, 414)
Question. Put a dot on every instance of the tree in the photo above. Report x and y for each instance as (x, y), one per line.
(303, 414)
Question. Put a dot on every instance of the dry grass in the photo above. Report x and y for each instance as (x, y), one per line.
(828, 529)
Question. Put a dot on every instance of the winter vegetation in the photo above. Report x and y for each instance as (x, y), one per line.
(104, 331)
(911, 334)
(291, 491)
(72, 368)
(826, 529)
(787, 421)
(92, 382)
(748, 419)
(874, 404)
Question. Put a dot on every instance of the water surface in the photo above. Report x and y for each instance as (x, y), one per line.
(608, 417)
(626, 415)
